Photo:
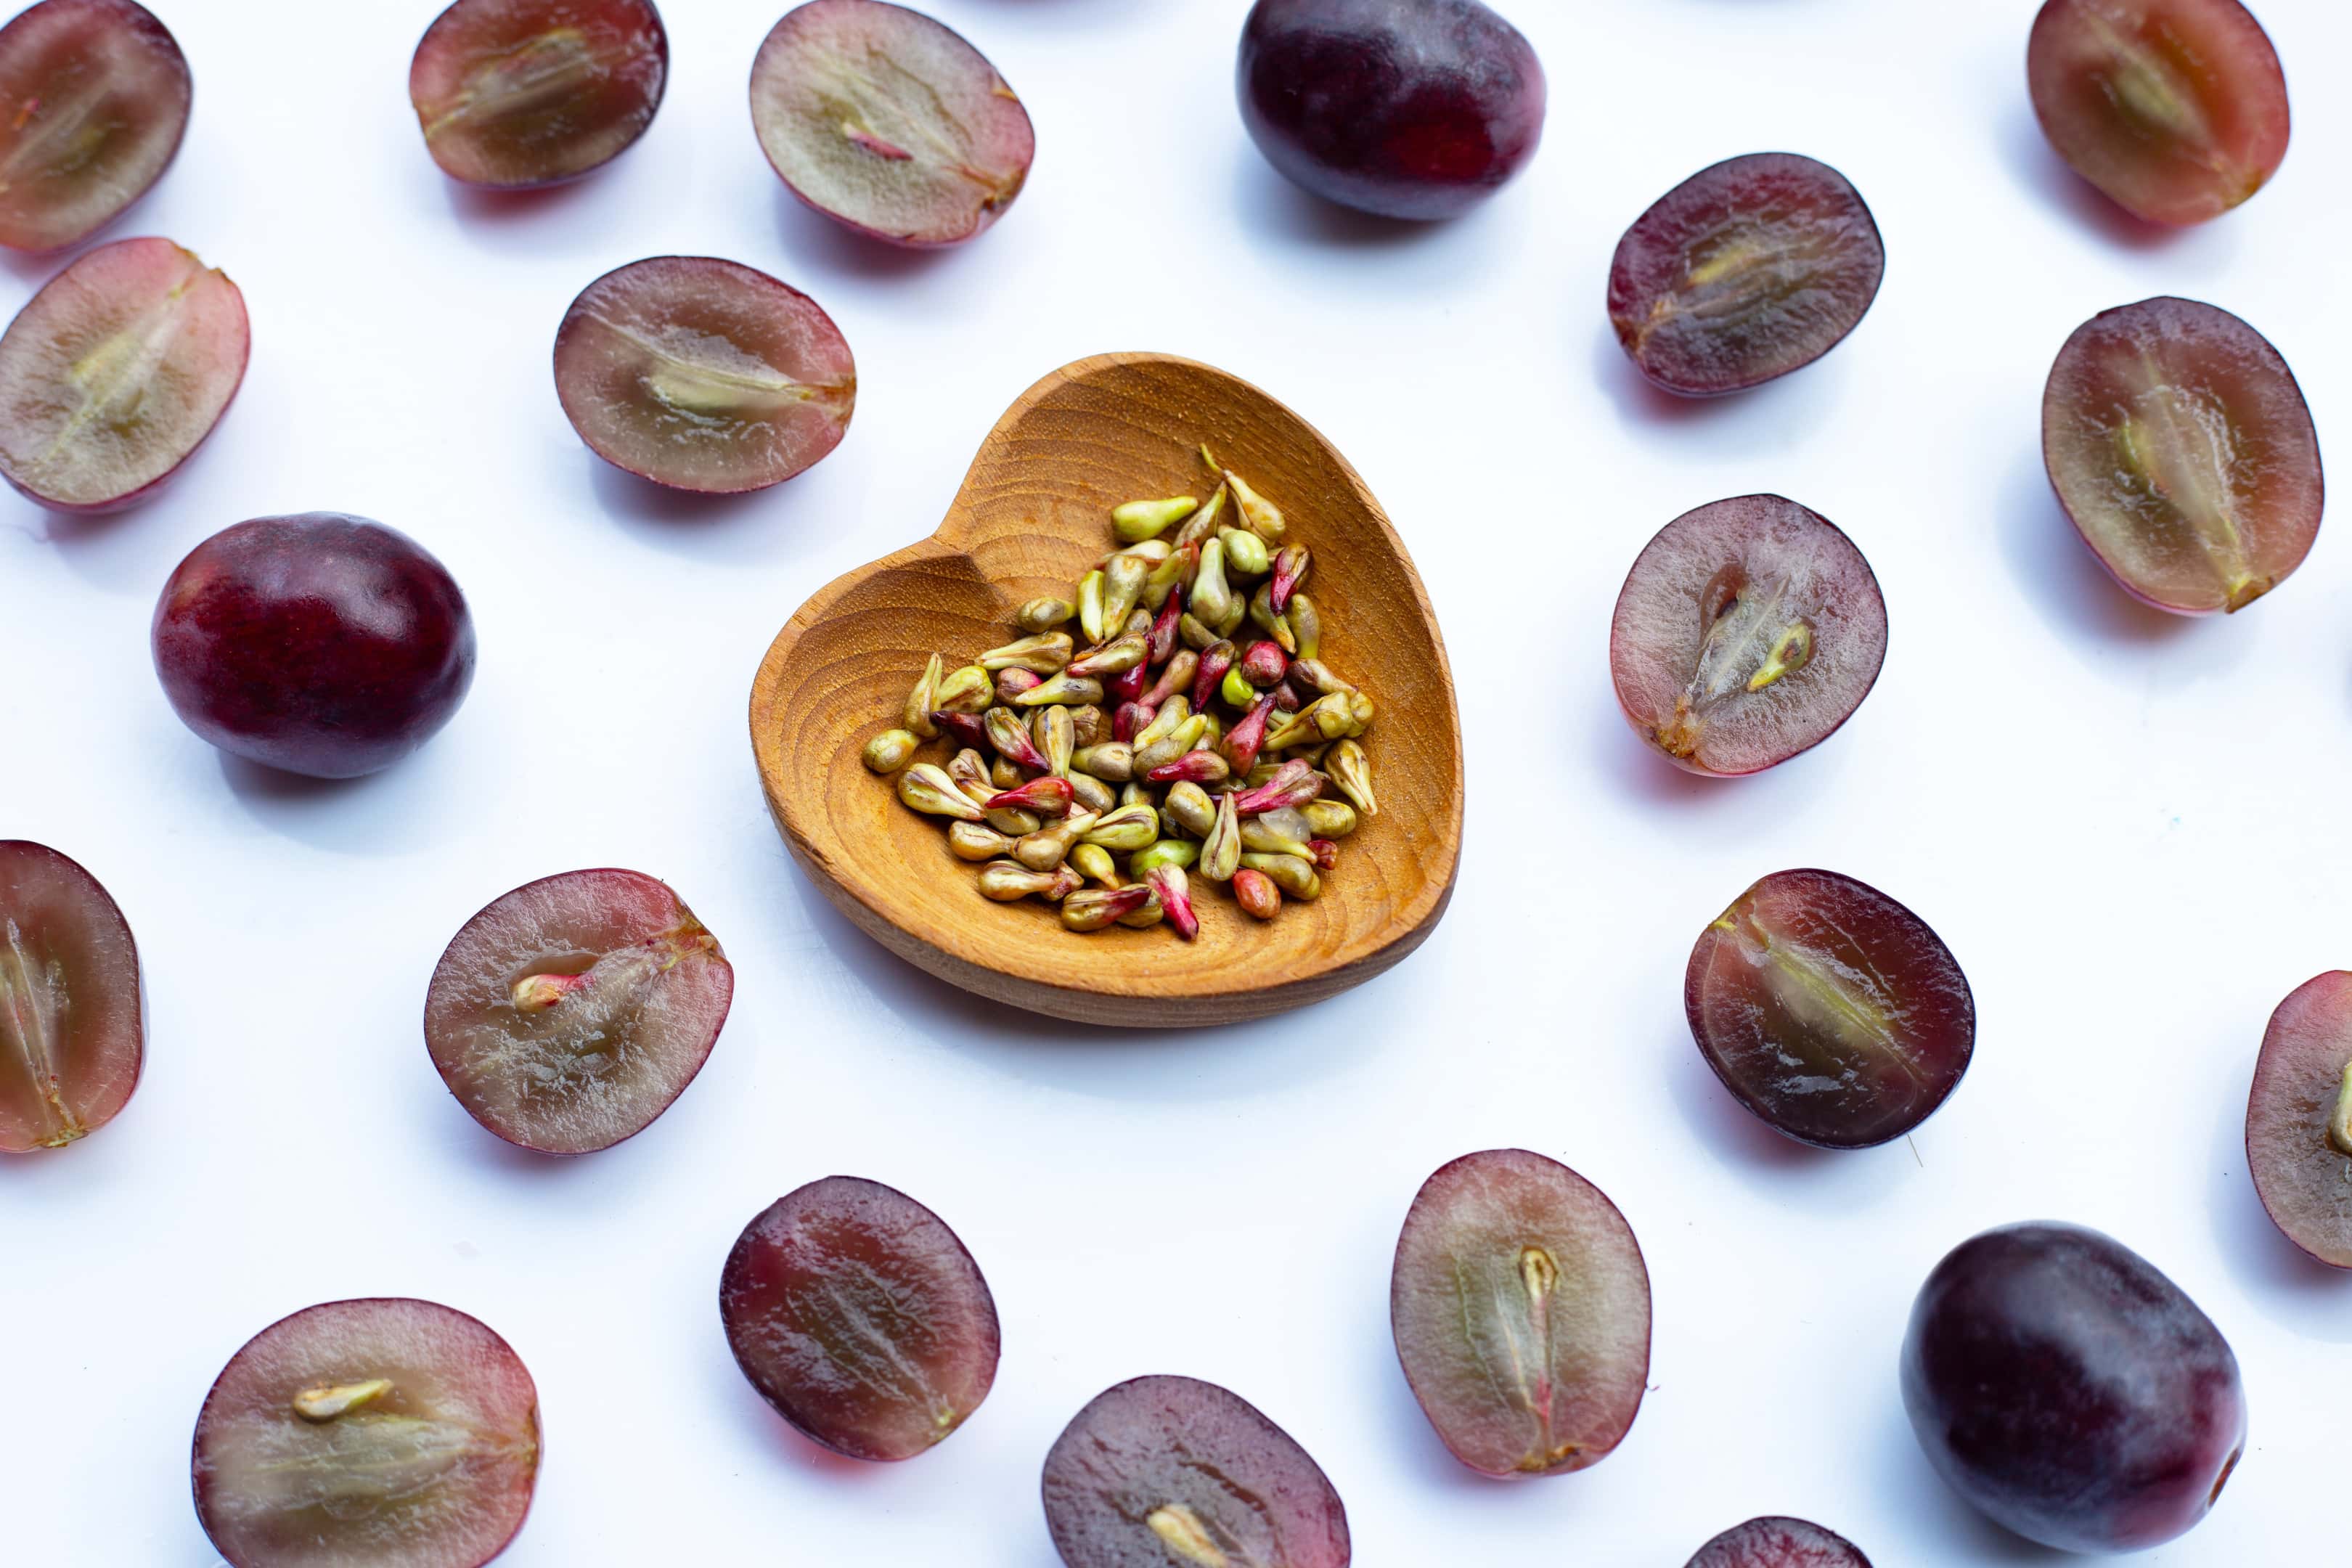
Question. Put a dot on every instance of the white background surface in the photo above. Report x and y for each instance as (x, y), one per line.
(2131, 830)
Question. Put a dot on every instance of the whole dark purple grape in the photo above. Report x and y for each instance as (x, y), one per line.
(1411, 108)
(321, 644)
(2063, 1385)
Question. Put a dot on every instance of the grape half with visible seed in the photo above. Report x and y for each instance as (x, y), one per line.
(1748, 631)
(72, 1032)
(2299, 1118)
(2182, 451)
(2065, 1387)
(93, 102)
(1751, 268)
(703, 374)
(115, 372)
(1828, 1010)
(1520, 1306)
(571, 1012)
(1779, 1543)
(2176, 109)
(857, 1313)
(398, 1434)
(1172, 1472)
(889, 124)
(514, 94)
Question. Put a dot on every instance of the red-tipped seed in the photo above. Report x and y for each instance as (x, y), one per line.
(1256, 894)
(1293, 784)
(1264, 664)
(1246, 739)
(1049, 796)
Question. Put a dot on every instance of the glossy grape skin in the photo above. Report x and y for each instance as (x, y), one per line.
(2299, 1118)
(1406, 108)
(2068, 1390)
(861, 1319)
(2176, 109)
(1158, 1464)
(2180, 446)
(321, 644)
(1829, 1011)
(72, 1015)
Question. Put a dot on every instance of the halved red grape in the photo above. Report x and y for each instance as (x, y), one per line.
(1521, 1310)
(395, 1433)
(2180, 446)
(1779, 1543)
(1828, 1010)
(2176, 109)
(1172, 1472)
(323, 644)
(856, 1312)
(71, 1034)
(1409, 108)
(2299, 1118)
(1751, 268)
(703, 374)
(518, 93)
(2065, 1387)
(1748, 631)
(115, 372)
(571, 1012)
(93, 102)
(887, 122)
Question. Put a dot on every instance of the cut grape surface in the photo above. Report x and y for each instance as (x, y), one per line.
(887, 123)
(1748, 631)
(1748, 269)
(520, 93)
(857, 1313)
(1828, 1010)
(94, 99)
(1779, 1543)
(570, 1012)
(2299, 1118)
(703, 375)
(2180, 446)
(388, 1433)
(2061, 1384)
(2176, 109)
(115, 372)
(1521, 1310)
(72, 1034)
(1171, 1472)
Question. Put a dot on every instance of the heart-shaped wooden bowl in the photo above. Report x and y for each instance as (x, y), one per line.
(1032, 518)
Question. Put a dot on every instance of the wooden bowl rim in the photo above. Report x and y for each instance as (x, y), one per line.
(1130, 1001)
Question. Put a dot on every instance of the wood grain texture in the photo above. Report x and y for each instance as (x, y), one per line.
(1033, 516)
